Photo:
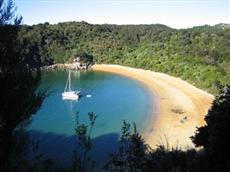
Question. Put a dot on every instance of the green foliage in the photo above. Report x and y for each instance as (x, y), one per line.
(199, 55)
(19, 80)
(82, 160)
(214, 136)
(125, 131)
(132, 153)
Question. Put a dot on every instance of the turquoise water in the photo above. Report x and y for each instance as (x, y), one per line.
(114, 98)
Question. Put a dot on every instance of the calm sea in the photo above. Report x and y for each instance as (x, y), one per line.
(114, 98)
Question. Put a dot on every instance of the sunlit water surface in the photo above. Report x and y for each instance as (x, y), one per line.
(114, 98)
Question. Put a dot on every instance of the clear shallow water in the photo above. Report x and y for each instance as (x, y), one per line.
(114, 98)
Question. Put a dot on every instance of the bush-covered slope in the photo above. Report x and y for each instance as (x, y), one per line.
(200, 55)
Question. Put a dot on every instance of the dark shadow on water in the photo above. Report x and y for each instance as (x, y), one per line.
(60, 148)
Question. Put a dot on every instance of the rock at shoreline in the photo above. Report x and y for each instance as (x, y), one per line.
(63, 66)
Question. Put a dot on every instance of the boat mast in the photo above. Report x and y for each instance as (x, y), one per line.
(67, 85)
(69, 81)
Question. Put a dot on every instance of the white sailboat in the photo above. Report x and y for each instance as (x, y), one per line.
(68, 93)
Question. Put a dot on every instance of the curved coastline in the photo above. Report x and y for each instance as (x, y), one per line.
(179, 107)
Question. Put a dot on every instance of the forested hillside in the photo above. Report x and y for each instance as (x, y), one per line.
(200, 55)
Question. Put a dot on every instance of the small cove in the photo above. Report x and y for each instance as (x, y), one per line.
(114, 98)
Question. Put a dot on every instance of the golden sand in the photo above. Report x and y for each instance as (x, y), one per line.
(178, 109)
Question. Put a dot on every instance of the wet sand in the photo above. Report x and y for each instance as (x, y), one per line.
(178, 106)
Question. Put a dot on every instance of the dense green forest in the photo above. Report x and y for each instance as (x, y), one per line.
(200, 55)
(19, 96)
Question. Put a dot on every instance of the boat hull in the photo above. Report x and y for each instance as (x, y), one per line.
(70, 95)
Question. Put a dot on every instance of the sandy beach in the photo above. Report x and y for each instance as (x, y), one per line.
(179, 107)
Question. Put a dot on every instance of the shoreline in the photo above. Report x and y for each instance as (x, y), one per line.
(57, 66)
(179, 107)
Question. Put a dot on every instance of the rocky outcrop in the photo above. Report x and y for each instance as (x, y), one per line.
(62, 66)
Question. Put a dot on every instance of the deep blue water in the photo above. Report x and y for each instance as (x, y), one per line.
(114, 98)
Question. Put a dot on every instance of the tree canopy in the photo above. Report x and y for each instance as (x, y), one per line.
(199, 55)
(19, 98)
(214, 136)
